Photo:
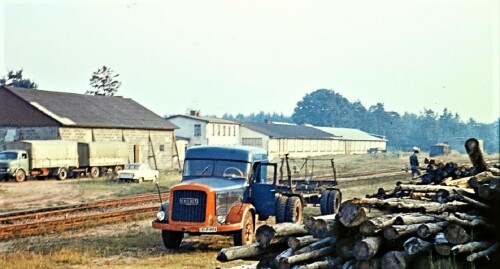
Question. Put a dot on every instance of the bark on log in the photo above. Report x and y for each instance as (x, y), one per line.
(456, 234)
(265, 234)
(352, 214)
(473, 149)
(396, 260)
(473, 202)
(397, 231)
(399, 204)
(369, 264)
(367, 248)
(482, 254)
(427, 230)
(245, 266)
(324, 227)
(460, 183)
(344, 247)
(286, 253)
(441, 245)
(415, 245)
(315, 254)
(433, 188)
(464, 219)
(317, 245)
(470, 247)
(299, 242)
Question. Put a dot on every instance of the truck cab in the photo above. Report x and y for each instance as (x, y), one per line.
(224, 190)
(14, 164)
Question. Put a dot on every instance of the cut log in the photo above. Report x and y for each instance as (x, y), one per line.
(309, 221)
(464, 219)
(460, 183)
(407, 219)
(473, 149)
(400, 204)
(427, 230)
(482, 254)
(366, 248)
(369, 264)
(317, 245)
(433, 188)
(415, 245)
(324, 227)
(327, 262)
(470, 247)
(265, 234)
(315, 254)
(298, 242)
(246, 251)
(286, 253)
(374, 225)
(473, 202)
(396, 260)
(456, 234)
(441, 245)
(344, 247)
(397, 231)
(245, 266)
(352, 214)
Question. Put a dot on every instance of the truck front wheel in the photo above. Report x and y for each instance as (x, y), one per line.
(172, 239)
(20, 175)
(293, 212)
(63, 173)
(246, 235)
(280, 208)
(94, 172)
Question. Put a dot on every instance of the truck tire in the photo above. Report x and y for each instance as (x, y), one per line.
(280, 208)
(94, 172)
(63, 173)
(293, 212)
(245, 236)
(20, 175)
(323, 203)
(334, 201)
(172, 239)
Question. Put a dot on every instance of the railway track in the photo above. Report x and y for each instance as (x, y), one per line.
(46, 221)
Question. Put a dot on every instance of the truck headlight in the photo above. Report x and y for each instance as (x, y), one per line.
(160, 215)
(221, 219)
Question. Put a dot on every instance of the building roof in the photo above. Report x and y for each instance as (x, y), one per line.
(287, 130)
(71, 109)
(204, 119)
(350, 134)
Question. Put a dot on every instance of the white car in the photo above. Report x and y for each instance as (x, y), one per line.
(138, 172)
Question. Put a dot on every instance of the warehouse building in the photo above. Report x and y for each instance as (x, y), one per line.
(29, 114)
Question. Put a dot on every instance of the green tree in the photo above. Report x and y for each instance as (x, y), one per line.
(323, 108)
(15, 79)
(104, 82)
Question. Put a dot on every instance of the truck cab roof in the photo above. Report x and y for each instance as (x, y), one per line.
(236, 153)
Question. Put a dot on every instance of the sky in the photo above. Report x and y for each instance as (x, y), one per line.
(250, 56)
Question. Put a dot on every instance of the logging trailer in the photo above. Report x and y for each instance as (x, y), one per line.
(226, 189)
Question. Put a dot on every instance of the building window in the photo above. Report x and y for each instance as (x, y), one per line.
(224, 130)
(255, 142)
(213, 130)
(197, 130)
(234, 130)
(162, 147)
(218, 130)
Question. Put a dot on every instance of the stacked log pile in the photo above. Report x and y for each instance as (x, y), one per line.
(453, 225)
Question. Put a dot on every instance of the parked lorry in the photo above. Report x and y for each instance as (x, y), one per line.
(63, 159)
(225, 190)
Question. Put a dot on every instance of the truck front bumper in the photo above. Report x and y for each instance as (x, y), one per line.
(196, 228)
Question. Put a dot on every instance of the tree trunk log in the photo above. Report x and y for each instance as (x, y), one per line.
(374, 225)
(265, 234)
(399, 204)
(286, 253)
(427, 230)
(299, 242)
(246, 252)
(315, 254)
(475, 155)
(482, 254)
(397, 231)
(366, 248)
(246, 266)
(441, 245)
(433, 188)
(415, 218)
(396, 260)
(470, 247)
(415, 245)
(456, 234)
(317, 245)
(326, 263)
(369, 264)
(352, 214)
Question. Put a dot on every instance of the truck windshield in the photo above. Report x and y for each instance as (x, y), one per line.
(216, 168)
(8, 155)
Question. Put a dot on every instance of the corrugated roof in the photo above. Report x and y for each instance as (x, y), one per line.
(287, 130)
(71, 109)
(204, 119)
(350, 134)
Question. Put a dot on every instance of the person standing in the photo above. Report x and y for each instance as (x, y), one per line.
(414, 163)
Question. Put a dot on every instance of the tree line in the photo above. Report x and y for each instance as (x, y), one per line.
(325, 107)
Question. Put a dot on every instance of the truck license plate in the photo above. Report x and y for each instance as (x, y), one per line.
(208, 229)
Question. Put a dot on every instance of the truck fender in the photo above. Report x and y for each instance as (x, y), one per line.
(237, 213)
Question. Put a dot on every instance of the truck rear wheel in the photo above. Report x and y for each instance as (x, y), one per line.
(94, 172)
(63, 173)
(293, 212)
(20, 175)
(329, 202)
(280, 209)
(172, 239)
(246, 235)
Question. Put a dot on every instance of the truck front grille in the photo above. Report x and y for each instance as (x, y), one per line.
(189, 206)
